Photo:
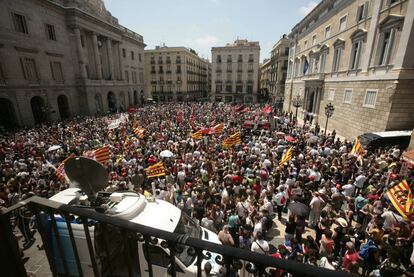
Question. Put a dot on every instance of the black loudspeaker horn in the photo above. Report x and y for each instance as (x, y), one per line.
(88, 175)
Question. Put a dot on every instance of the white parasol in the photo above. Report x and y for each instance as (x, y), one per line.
(166, 154)
(53, 148)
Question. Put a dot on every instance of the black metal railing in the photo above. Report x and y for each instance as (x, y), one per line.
(53, 217)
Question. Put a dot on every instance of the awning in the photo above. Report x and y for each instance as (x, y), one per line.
(408, 156)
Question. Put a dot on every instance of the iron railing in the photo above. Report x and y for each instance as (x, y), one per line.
(49, 214)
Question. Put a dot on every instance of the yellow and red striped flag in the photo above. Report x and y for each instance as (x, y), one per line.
(126, 141)
(357, 149)
(155, 170)
(197, 135)
(60, 170)
(102, 154)
(139, 132)
(401, 198)
(232, 140)
(218, 129)
(286, 157)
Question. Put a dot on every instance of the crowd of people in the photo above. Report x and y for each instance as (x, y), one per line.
(332, 204)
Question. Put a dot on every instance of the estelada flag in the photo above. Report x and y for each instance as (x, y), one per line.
(286, 157)
(401, 198)
(155, 170)
(197, 135)
(60, 170)
(357, 148)
(232, 140)
(139, 132)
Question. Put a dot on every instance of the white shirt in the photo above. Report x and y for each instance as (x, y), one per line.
(260, 246)
(278, 198)
(257, 228)
(348, 189)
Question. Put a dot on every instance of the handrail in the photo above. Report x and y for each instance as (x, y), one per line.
(226, 251)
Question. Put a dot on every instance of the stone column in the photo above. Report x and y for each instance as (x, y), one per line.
(315, 99)
(81, 57)
(98, 65)
(110, 58)
(121, 67)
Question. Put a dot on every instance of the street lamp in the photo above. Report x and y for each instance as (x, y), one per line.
(329, 109)
(297, 102)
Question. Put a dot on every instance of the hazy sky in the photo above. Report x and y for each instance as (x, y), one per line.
(201, 24)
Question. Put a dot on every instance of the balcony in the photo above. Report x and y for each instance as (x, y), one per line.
(161, 71)
(160, 62)
(178, 61)
(178, 81)
(250, 60)
(152, 62)
(229, 81)
(161, 82)
(168, 62)
(153, 71)
(239, 81)
(249, 70)
(168, 71)
(239, 69)
(153, 82)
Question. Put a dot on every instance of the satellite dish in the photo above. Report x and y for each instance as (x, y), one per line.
(89, 175)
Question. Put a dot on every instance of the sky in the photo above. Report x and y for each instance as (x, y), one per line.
(202, 24)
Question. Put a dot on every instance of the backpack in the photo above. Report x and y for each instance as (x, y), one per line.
(366, 248)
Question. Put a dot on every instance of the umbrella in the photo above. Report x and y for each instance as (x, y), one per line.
(280, 134)
(290, 139)
(166, 154)
(312, 139)
(53, 148)
(300, 209)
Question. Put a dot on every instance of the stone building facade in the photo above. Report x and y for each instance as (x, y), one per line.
(264, 79)
(357, 55)
(235, 72)
(176, 74)
(278, 72)
(62, 58)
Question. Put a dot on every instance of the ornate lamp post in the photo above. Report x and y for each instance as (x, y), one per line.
(297, 102)
(329, 110)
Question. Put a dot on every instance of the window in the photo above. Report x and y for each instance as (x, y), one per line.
(218, 88)
(355, 54)
(229, 67)
(322, 62)
(362, 12)
(82, 37)
(250, 77)
(240, 58)
(228, 76)
(123, 52)
(370, 98)
(50, 31)
(386, 41)
(139, 57)
(240, 67)
(218, 76)
(127, 76)
(331, 94)
(219, 58)
(250, 67)
(327, 32)
(286, 51)
(154, 89)
(20, 23)
(229, 88)
(239, 76)
(314, 40)
(157, 256)
(132, 55)
(141, 77)
(342, 23)
(305, 44)
(249, 89)
(56, 69)
(134, 77)
(251, 58)
(239, 88)
(348, 96)
(337, 59)
(229, 58)
(29, 70)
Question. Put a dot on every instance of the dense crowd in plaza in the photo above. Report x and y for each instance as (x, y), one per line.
(332, 204)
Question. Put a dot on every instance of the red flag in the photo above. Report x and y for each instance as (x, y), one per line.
(267, 109)
(102, 154)
(60, 171)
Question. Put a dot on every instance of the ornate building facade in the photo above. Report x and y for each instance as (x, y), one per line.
(62, 58)
(176, 74)
(264, 79)
(359, 56)
(235, 72)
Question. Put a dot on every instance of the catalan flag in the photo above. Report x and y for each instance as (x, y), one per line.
(155, 170)
(139, 132)
(126, 141)
(357, 149)
(286, 157)
(60, 170)
(102, 154)
(218, 129)
(197, 135)
(232, 140)
(401, 198)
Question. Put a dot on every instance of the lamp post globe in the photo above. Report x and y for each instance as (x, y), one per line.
(329, 110)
